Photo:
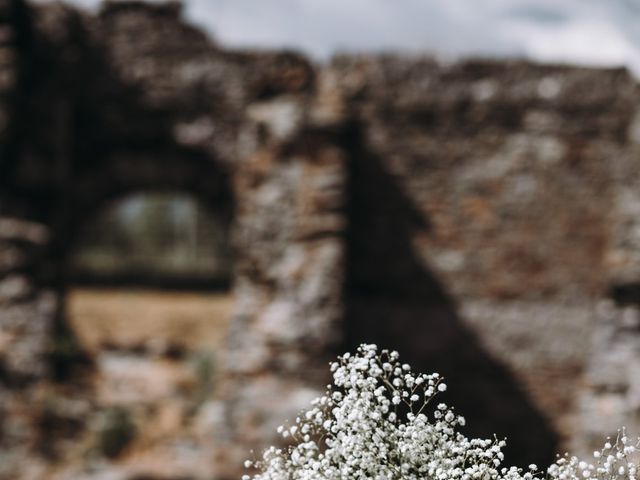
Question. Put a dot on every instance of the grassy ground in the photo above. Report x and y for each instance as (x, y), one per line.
(148, 319)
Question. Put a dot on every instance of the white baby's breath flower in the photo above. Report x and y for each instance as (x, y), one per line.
(373, 423)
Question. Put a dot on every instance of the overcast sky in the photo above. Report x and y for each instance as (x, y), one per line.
(592, 32)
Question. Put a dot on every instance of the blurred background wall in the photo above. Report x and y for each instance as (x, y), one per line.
(189, 233)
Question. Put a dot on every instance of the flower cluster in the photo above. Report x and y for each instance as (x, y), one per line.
(373, 423)
(613, 462)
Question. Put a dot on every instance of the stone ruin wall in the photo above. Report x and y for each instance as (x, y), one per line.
(486, 207)
(249, 115)
(524, 180)
(27, 309)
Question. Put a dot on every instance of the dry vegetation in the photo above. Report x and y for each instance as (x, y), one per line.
(148, 319)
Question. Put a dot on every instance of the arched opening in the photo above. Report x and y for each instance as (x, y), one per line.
(148, 301)
(160, 239)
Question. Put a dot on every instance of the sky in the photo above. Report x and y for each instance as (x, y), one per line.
(584, 32)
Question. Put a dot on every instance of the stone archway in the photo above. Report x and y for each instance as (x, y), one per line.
(124, 174)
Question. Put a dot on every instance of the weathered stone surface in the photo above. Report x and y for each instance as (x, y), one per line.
(289, 283)
(26, 312)
(610, 395)
(490, 207)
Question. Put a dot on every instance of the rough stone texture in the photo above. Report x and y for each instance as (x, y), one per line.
(26, 311)
(502, 168)
(610, 398)
(487, 233)
(476, 216)
(289, 283)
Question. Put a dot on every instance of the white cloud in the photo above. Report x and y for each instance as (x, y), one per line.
(589, 41)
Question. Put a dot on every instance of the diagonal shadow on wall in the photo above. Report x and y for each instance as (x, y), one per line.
(394, 301)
